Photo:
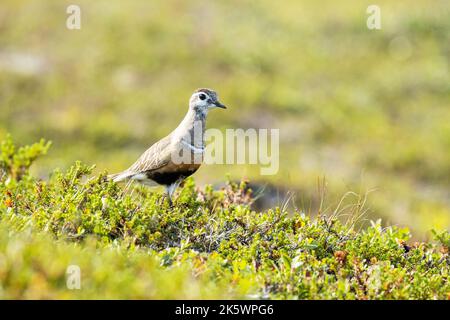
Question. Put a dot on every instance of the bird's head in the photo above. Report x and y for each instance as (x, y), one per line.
(204, 99)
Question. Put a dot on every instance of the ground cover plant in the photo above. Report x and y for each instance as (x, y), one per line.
(210, 244)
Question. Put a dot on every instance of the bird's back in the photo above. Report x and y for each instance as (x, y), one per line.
(158, 163)
(155, 157)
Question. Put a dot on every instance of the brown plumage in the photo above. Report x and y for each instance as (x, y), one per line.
(177, 156)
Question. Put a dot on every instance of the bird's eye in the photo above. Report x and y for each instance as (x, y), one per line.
(202, 96)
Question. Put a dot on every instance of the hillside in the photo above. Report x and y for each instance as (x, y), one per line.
(210, 244)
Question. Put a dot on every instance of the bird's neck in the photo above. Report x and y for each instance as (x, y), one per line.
(192, 128)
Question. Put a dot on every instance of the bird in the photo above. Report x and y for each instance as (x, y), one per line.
(178, 155)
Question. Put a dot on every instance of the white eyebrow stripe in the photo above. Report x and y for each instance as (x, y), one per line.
(193, 148)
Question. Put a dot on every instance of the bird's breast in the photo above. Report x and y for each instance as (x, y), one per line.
(172, 173)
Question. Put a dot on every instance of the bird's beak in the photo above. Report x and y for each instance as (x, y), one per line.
(219, 105)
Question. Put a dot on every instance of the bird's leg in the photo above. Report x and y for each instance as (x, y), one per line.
(168, 195)
(170, 189)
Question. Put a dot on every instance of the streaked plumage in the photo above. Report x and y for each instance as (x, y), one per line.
(158, 164)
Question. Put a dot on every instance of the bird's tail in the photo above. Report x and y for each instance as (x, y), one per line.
(121, 176)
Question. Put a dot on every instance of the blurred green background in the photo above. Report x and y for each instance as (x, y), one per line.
(366, 109)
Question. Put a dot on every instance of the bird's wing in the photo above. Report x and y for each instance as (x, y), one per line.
(156, 157)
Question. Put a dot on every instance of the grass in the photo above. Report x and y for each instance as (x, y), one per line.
(211, 244)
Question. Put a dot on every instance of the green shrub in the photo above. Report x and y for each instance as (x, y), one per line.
(210, 244)
(16, 162)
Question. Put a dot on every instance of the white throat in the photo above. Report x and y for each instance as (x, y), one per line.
(191, 130)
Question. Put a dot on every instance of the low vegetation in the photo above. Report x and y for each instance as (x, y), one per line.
(129, 243)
